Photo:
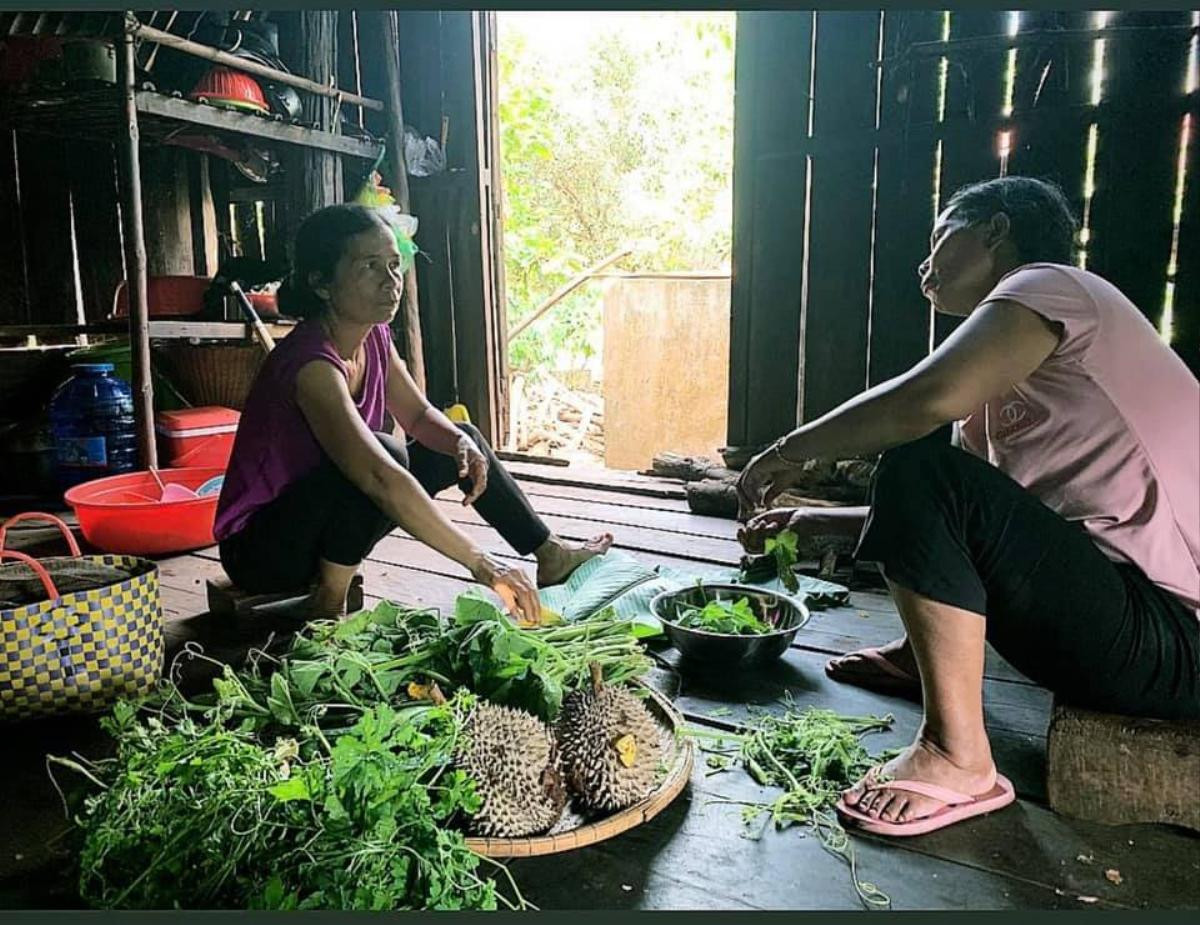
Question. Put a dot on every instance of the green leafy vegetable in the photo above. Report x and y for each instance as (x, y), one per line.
(812, 756)
(729, 617)
(783, 547)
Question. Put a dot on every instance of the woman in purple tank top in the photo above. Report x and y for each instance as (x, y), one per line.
(316, 479)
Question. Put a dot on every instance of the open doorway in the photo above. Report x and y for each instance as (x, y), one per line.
(616, 152)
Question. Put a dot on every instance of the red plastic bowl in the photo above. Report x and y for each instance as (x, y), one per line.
(122, 513)
(166, 296)
(223, 86)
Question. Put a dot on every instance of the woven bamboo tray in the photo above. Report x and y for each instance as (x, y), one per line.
(574, 831)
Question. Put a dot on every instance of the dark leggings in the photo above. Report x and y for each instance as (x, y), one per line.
(953, 528)
(325, 516)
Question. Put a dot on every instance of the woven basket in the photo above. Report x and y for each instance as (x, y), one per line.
(77, 652)
(214, 374)
(678, 774)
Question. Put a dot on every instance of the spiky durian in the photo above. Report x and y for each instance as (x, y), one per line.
(513, 759)
(611, 746)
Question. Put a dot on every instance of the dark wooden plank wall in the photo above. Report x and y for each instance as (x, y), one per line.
(837, 274)
(901, 318)
(800, 197)
(772, 89)
(1137, 156)
(974, 104)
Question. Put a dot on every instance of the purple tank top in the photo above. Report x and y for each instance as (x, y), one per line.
(275, 447)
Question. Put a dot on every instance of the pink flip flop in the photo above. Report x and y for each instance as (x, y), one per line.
(892, 679)
(957, 807)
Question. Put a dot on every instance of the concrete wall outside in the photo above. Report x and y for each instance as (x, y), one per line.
(666, 367)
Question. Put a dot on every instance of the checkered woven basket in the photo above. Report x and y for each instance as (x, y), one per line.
(78, 652)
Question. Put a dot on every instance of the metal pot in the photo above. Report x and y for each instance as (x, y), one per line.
(731, 652)
(89, 63)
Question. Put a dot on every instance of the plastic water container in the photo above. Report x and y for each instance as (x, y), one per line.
(91, 420)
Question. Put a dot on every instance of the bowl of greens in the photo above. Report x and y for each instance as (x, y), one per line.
(738, 626)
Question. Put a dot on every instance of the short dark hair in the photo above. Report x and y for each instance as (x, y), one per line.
(1041, 224)
(320, 244)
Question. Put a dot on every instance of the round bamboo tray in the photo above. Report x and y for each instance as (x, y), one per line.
(584, 832)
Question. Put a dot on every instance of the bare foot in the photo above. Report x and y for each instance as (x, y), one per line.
(558, 558)
(927, 762)
(857, 668)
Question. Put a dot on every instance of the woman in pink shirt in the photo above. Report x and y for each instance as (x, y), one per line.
(1064, 528)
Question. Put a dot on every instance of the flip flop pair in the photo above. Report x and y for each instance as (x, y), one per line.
(955, 807)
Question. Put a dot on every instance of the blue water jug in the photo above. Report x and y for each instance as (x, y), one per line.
(91, 421)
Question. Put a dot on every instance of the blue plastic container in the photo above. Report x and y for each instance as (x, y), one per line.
(91, 421)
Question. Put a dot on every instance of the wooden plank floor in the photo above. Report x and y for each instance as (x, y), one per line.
(697, 854)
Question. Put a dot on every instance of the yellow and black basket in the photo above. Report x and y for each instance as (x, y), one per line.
(79, 651)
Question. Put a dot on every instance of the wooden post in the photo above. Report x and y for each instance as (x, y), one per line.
(135, 264)
(408, 323)
(314, 177)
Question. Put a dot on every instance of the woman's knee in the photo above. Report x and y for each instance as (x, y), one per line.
(394, 448)
(475, 434)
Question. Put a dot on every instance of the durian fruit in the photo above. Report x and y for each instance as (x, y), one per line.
(513, 758)
(611, 745)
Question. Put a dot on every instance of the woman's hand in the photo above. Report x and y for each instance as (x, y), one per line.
(805, 522)
(473, 465)
(513, 586)
(765, 476)
(754, 535)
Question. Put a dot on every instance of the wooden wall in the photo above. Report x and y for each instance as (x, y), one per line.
(852, 127)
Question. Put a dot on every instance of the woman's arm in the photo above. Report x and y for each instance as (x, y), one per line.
(999, 345)
(412, 410)
(325, 401)
(429, 427)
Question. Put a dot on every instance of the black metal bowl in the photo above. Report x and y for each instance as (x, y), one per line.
(786, 614)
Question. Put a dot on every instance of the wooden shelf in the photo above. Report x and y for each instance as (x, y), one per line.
(159, 330)
(96, 114)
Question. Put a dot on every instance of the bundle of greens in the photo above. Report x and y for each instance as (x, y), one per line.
(325, 778)
(735, 618)
(812, 756)
(194, 812)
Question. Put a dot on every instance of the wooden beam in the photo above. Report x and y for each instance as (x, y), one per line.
(135, 262)
(408, 322)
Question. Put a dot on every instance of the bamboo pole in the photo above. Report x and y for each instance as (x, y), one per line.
(135, 263)
(150, 34)
(567, 288)
(410, 313)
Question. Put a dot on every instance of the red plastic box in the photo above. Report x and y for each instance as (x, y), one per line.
(197, 436)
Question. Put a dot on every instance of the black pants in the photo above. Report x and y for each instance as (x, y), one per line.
(951, 527)
(325, 516)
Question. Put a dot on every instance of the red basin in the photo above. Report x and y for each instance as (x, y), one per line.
(122, 513)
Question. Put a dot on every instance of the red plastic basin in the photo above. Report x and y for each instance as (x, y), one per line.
(122, 513)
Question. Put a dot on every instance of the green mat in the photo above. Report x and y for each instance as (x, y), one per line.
(620, 581)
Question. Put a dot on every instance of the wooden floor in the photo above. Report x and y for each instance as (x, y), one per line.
(697, 854)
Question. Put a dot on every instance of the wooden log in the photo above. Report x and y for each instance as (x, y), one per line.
(687, 468)
(1118, 770)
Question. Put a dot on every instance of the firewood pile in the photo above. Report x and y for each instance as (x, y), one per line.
(711, 487)
(548, 418)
